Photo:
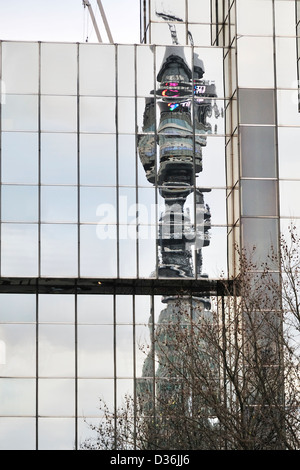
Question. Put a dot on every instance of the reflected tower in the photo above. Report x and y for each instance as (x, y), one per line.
(185, 101)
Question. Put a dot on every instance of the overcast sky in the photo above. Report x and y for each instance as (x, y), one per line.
(68, 20)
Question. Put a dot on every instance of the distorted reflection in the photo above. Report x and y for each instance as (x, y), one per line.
(185, 103)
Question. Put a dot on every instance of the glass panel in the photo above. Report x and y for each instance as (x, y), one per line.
(19, 248)
(58, 158)
(160, 33)
(127, 160)
(95, 351)
(17, 433)
(96, 70)
(96, 309)
(289, 162)
(20, 67)
(97, 114)
(20, 113)
(126, 115)
(98, 159)
(259, 197)
(143, 345)
(147, 251)
(256, 106)
(59, 113)
(19, 203)
(127, 251)
(261, 233)
(98, 251)
(98, 205)
(286, 66)
(201, 34)
(213, 156)
(287, 106)
(258, 151)
(214, 263)
(255, 54)
(145, 70)
(20, 343)
(124, 350)
(59, 204)
(124, 309)
(89, 392)
(285, 18)
(127, 206)
(199, 15)
(59, 69)
(17, 308)
(59, 250)
(176, 7)
(10, 392)
(56, 308)
(56, 351)
(19, 158)
(126, 78)
(289, 195)
(56, 397)
(56, 433)
(255, 17)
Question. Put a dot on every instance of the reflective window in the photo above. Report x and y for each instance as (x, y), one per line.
(98, 159)
(258, 151)
(56, 308)
(254, 17)
(59, 113)
(20, 63)
(97, 309)
(20, 113)
(19, 250)
(97, 70)
(17, 308)
(59, 204)
(255, 54)
(20, 342)
(259, 197)
(19, 203)
(98, 205)
(19, 157)
(59, 250)
(58, 69)
(17, 433)
(289, 162)
(97, 114)
(56, 351)
(289, 191)
(256, 106)
(263, 235)
(11, 390)
(95, 351)
(56, 433)
(56, 397)
(58, 158)
(89, 393)
(98, 250)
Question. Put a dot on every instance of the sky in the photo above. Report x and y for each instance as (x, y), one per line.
(68, 20)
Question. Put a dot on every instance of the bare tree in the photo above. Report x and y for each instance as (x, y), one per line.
(225, 377)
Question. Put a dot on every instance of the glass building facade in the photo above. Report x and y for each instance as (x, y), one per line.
(128, 173)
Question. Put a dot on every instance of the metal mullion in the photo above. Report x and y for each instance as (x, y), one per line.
(78, 254)
(134, 367)
(1, 97)
(155, 162)
(37, 369)
(136, 164)
(117, 161)
(115, 367)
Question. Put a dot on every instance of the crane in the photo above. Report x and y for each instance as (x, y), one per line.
(87, 4)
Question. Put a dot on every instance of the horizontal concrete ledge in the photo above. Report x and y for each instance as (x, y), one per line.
(175, 286)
